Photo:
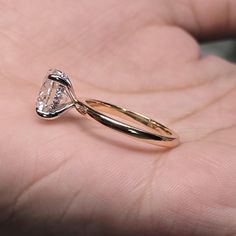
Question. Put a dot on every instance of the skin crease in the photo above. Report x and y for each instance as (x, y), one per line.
(72, 176)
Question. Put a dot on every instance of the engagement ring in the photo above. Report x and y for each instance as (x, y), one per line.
(57, 96)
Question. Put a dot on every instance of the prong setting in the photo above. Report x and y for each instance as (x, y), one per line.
(56, 95)
(60, 77)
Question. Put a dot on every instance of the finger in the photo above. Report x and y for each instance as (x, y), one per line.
(205, 19)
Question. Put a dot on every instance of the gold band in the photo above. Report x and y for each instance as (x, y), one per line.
(151, 132)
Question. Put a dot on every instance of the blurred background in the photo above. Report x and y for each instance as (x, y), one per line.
(225, 49)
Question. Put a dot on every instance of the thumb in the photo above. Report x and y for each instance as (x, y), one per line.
(206, 19)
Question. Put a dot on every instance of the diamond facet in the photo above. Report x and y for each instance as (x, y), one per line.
(52, 97)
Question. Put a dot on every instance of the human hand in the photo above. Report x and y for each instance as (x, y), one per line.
(74, 177)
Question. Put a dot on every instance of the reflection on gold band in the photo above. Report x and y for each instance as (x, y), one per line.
(150, 132)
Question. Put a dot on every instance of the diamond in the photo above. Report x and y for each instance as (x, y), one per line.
(52, 97)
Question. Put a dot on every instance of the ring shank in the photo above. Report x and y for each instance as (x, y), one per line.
(151, 132)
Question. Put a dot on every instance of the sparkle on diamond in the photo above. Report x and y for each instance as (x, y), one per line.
(52, 96)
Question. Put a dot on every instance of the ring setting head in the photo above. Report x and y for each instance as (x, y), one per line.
(55, 96)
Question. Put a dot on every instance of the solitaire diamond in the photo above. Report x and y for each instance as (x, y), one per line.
(52, 97)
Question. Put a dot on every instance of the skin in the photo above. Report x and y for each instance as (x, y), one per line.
(72, 176)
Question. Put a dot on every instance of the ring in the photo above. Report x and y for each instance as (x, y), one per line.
(57, 96)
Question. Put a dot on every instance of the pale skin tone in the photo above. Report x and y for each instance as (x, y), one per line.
(75, 177)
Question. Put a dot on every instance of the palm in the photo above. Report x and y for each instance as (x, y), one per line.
(75, 171)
